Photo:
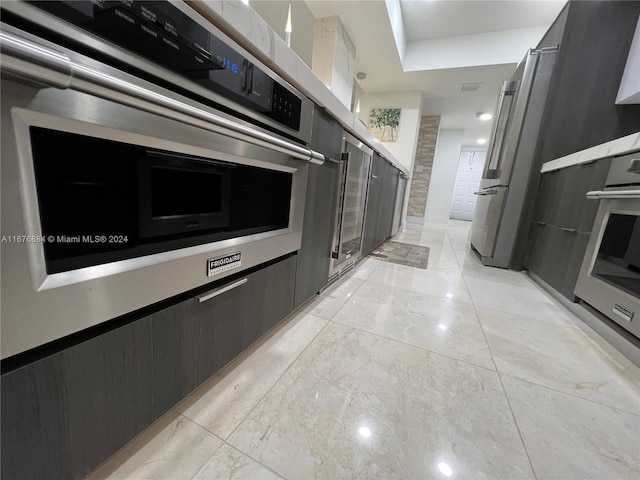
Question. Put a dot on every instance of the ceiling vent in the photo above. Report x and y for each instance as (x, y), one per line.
(470, 87)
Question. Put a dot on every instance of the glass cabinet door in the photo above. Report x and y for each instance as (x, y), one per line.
(354, 201)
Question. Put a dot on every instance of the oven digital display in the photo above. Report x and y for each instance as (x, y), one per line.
(229, 65)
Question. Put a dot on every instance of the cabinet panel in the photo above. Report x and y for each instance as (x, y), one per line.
(574, 209)
(556, 256)
(314, 256)
(64, 415)
(35, 431)
(108, 381)
(387, 202)
(578, 247)
(326, 134)
(552, 186)
(174, 361)
(372, 211)
(538, 258)
(228, 323)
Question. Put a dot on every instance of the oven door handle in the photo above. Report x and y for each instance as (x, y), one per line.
(621, 194)
(27, 59)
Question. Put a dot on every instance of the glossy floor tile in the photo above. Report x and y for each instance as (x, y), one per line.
(571, 438)
(564, 358)
(174, 447)
(438, 284)
(357, 405)
(243, 387)
(457, 371)
(437, 324)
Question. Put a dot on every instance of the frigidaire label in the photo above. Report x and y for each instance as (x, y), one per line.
(223, 264)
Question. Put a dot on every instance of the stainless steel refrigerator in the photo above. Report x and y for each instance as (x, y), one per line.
(507, 168)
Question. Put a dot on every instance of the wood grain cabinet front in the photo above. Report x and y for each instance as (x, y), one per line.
(65, 414)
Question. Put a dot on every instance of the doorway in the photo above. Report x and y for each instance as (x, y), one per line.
(467, 181)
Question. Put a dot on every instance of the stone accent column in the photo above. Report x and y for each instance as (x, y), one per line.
(421, 175)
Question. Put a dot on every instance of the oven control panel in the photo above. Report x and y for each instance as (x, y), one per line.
(162, 34)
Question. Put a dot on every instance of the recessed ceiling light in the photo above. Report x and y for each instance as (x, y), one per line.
(482, 141)
(484, 116)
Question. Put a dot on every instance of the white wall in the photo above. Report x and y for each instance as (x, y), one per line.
(274, 12)
(334, 57)
(443, 175)
(404, 149)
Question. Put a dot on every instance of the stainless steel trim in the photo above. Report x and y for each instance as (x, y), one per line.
(545, 50)
(602, 194)
(56, 69)
(332, 160)
(219, 291)
(357, 143)
(488, 191)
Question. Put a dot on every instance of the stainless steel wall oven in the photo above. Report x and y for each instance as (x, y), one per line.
(126, 179)
(609, 277)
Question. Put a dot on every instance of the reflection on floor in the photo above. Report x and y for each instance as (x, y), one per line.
(457, 371)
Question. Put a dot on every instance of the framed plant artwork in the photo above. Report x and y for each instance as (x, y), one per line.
(384, 122)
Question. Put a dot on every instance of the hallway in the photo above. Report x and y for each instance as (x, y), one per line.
(456, 371)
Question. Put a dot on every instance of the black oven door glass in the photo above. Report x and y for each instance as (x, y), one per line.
(618, 259)
(181, 194)
(101, 201)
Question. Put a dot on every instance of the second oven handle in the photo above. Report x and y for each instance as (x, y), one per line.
(32, 61)
(613, 194)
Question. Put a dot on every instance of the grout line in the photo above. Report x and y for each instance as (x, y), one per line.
(570, 394)
(413, 346)
(257, 461)
(223, 444)
(423, 293)
(504, 391)
(277, 380)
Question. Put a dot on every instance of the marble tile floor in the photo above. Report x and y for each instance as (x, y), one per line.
(455, 372)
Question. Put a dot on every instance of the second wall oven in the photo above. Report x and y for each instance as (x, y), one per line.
(609, 277)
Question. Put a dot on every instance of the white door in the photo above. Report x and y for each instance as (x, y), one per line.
(467, 181)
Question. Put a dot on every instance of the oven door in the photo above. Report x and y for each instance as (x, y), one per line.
(45, 86)
(609, 278)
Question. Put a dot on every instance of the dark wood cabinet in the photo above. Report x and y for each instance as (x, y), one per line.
(314, 256)
(227, 324)
(372, 209)
(65, 414)
(381, 197)
(563, 222)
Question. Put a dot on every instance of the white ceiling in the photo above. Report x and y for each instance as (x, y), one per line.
(445, 18)
(369, 26)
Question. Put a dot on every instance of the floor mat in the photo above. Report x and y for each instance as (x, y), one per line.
(402, 254)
